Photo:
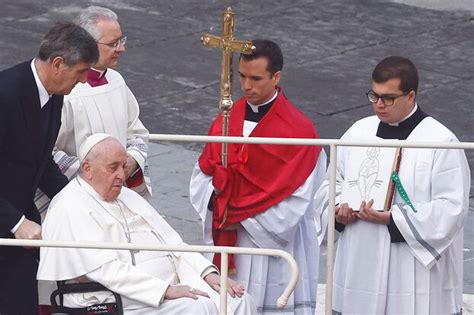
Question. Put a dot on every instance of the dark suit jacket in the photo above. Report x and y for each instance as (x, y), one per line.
(26, 161)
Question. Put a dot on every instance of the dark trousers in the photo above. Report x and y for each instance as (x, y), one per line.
(18, 284)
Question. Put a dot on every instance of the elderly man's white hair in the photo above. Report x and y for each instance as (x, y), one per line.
(89, 17)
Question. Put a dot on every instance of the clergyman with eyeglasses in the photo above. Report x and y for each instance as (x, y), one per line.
(103, 104)
(407, 260)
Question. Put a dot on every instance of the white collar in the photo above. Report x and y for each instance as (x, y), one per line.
(89, 189)
(255, 107)
(42, 93)
(408, 116)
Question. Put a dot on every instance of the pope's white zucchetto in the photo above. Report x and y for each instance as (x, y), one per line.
(89, 143)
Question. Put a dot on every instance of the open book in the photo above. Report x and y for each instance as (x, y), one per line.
(368, 176)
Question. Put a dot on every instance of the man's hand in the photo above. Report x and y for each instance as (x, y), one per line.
(130, 167)
(28, 230)
(179, 291)
(234, 288)
(345, 215)
(368, 214)
(220, 178)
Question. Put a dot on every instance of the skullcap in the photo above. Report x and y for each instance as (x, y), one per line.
(89, 143)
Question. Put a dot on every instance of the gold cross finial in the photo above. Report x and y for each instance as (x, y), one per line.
(228, 44)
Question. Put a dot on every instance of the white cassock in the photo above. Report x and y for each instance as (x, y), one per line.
(289, 225)
(423, 275)
(79, 214)
(110, 108)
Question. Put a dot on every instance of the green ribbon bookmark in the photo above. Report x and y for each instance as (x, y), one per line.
(402, 191)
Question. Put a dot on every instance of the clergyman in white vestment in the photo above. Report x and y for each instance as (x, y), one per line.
(103, 104)
(286, 222)
(407, 260)
(96, 207)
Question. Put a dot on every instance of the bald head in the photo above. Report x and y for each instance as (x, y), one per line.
(103, 168)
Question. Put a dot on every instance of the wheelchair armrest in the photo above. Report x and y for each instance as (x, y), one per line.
(66, 288)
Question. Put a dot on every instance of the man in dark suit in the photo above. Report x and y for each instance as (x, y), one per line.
(31, 98)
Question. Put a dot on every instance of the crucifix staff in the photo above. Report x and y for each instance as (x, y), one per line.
(228, 44)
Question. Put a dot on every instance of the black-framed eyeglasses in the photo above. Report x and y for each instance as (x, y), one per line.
(115, 45)
(387, 100)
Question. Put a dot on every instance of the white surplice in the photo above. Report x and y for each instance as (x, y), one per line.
(423, 275)
(110, 108)
(79, 214)
(289, 225)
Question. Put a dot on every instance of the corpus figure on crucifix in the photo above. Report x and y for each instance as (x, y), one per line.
(264, 197)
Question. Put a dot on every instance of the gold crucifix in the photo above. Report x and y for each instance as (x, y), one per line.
(228, 44)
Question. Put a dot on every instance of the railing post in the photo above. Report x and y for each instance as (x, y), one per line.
(224, 275)
(331, 223)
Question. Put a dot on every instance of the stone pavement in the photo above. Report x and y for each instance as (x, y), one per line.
(330, 48)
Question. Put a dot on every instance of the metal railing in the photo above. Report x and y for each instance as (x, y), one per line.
(333, 144)
(282, 300)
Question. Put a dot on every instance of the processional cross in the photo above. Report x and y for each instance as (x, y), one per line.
(228, 44)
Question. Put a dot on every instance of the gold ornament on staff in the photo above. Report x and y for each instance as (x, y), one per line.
(228, 44)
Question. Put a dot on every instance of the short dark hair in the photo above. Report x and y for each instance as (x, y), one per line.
(69, 41)
(268, 49)
(397, 67)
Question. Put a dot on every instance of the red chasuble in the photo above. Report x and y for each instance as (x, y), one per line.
(258, 176)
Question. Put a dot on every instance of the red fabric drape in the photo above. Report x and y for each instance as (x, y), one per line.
(258, 176)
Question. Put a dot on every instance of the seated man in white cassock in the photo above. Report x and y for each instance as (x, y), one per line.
(96, 207)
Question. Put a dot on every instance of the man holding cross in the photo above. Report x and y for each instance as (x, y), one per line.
(264, 197)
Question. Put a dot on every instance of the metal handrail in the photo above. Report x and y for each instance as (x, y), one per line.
(307, 141)
(224, 250)
(282, 301)
(333, 144)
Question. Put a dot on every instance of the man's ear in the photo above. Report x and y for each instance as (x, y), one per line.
(57, 63)
(86, 169)
(412, 97)
(277, 77)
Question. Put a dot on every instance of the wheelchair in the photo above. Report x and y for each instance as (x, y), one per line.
(102, 309)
